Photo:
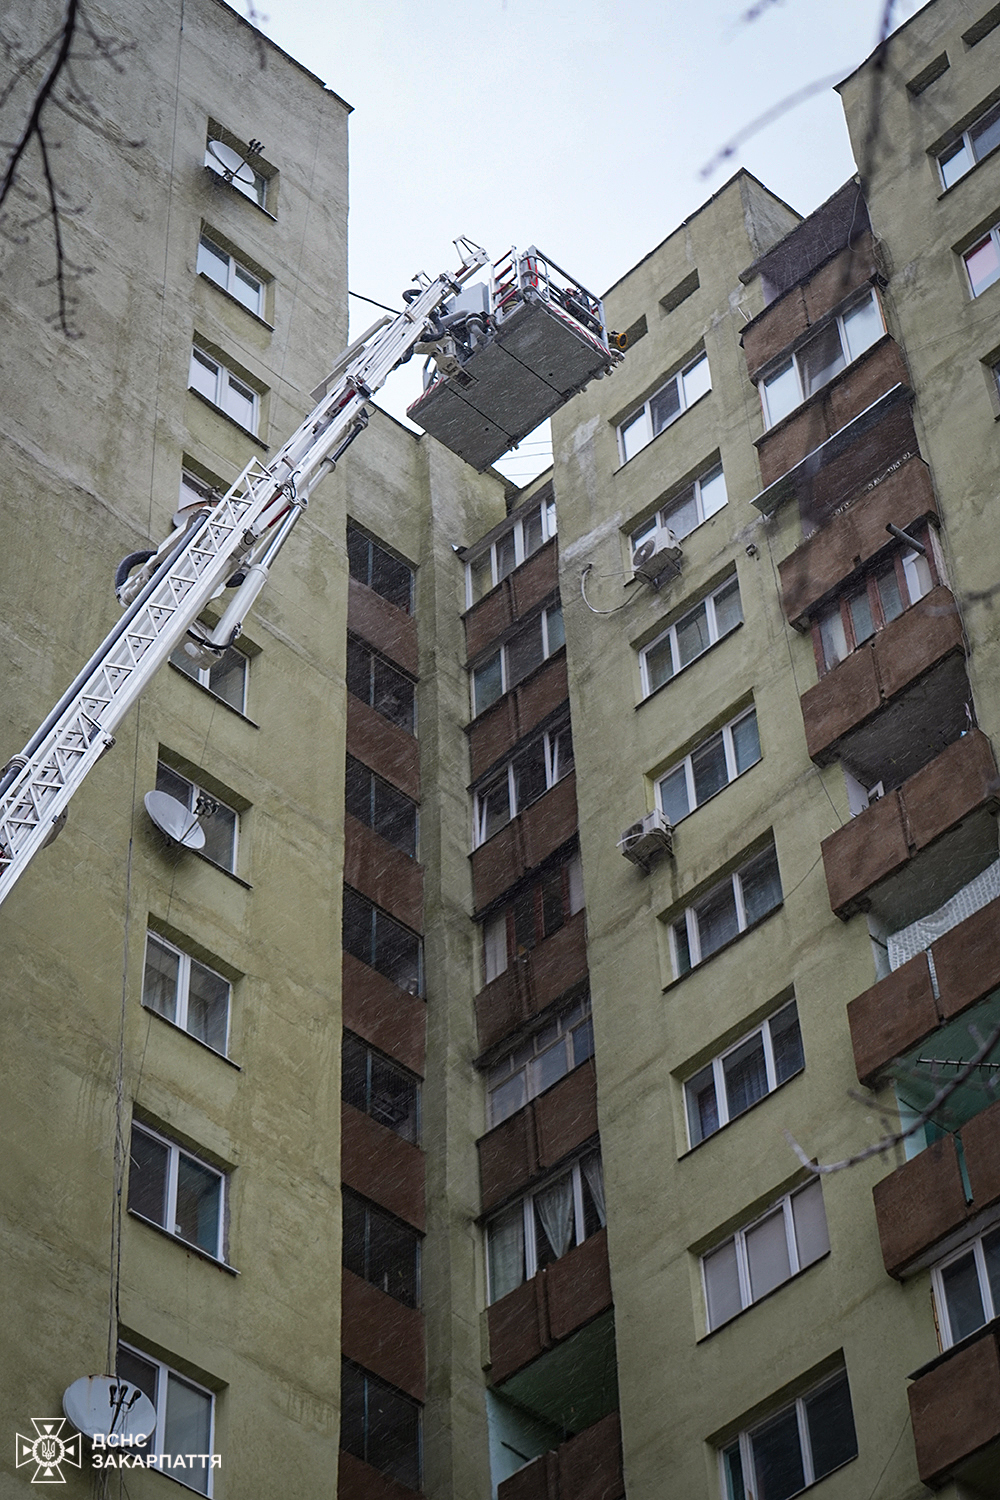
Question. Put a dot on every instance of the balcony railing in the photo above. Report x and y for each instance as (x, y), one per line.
(532, 981)
(955, 1410)
(548, 1308)
(587, 1466)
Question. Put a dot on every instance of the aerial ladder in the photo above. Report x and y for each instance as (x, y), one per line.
(234, 542)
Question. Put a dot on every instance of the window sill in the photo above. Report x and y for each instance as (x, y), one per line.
(223, 292)
(191, 1037)
(219, 181)
(803, 1270)
(175, 1239)
(215, 696)
(696, 968)
(227, 418)
(692, 663)
(230, 874)
(645, 446)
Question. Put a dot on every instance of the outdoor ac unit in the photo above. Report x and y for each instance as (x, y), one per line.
(646, 840)
(658, 556)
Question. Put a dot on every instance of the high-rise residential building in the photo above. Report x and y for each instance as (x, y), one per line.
(584, 864)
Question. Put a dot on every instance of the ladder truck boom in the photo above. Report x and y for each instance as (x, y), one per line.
(235, 541)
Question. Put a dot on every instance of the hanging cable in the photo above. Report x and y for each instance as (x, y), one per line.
(593, 610)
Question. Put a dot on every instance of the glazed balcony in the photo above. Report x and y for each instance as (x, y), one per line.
(890, 837)
(555, 1303)
(382, 1334)
(495, 733)
(513, 598)
(383, 747)
(524, 842)
(389, 1018)
(538, 1136)
(380, 1165)
(955, 1410)
(586, 1467)
(911, 675)
(383, 625)
(383, 873)
(532, 981)
(817, 288)
(361, 1482)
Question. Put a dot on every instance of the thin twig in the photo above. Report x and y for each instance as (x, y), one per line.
(32, 127)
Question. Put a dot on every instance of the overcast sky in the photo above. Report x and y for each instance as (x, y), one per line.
(583, 128)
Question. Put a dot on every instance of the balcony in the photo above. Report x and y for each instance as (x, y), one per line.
(383, 625)
(912, 675)
(524, 842)
(361, 1482)
(532, 982)
(539, 1136)
(380, 1165)
(383, 747)
(545, 1310)
(495, 733)
(389, 1018)
(586, 1467)
(382, 1334)
(515, 596)
(955, 1410)
(887, 837)
(389, 878)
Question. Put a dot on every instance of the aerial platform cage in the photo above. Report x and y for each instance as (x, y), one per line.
(511, 354)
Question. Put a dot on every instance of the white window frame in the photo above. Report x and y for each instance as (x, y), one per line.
(194, 793)
(170, 1210)
(164, 1372)
(719, 1076)
(966, 145)
(782, 1205)
(224, 380)
(546, 511)
(663, 517)
(184, 988)
(503, 652)
(256, 191)
(794, 361)
(203, 675)
(992, 235)
(732, 773)
(232, 277)
(497, 956)
(643, 414)
(690, 915)
(713, 635)
(990, 1309)
(527, 1203)
(553, 775)
(196, 491)
(524, 1059)
(805, 1447)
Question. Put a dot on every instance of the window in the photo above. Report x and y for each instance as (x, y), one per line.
(799, 1445)
(743, 1269)
(248, 181)
(713, 765)
(210, 378)
(972, 145)
(379, 1425)
(871, 605)
(380, 1088)
(381, 1249)
(537, 911)
(382, 686)
(814, 364)
(187, 993)
(544, 1225)
(681, 391)
(185, 1417)
(225, 270)
(522, 781)
(687, 510)
(753, 1067)
(739, 901)
(371, 564)
(196, 491)
(220, 823)
(381, 807)
(982, 262)
(178, 1192)
(525, 535)
(533, 644)
(380, 941)
(711, 619)
(967, 1288)
(538, 1063)
(226, 678)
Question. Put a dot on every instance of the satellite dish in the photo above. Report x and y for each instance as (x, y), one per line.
(99, 1405)
(175, 820)
(234, 166)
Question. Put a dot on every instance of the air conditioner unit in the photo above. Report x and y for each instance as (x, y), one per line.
(657, 557)
(646, 840)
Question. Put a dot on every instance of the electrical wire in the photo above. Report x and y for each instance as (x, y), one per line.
(583, 593)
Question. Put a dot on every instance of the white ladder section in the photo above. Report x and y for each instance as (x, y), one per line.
(190, 568)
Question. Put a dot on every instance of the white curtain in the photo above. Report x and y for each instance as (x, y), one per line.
(506, 1242)
(593, 1172)
(555, 1210)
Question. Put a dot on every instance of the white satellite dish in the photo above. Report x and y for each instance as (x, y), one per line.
(99, 1405)
(175, 820)
(234, 166)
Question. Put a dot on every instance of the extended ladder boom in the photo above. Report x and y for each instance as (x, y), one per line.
(241, 535)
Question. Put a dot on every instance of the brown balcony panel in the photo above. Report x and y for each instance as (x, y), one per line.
(383, 873)
(981, 1145)
(518, 1328)
(585, 1467)
(967, 960)
(839, 702)
(503, 1004)
(791, 315)
(872, 450)
(846, 397)
(525, 842)
(357, 1480)
(486, 621)
(492, 735)
(498, 863)
(891, 1017)
(495, 733)
(921, 637)
(381, 1334)
(558, 963)
(536, 580)
(383, 747)
(508, 1157)
(550, 822)
(919, 1204)
(380, 1165)
(542, 693)
(538, 1136)
(383, 625)
(538, 1480)
(833, 554)
(513, 598)
(578, 1286)
(381, 1013)
(959, 780)
(955, 1410)
(864, 851)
